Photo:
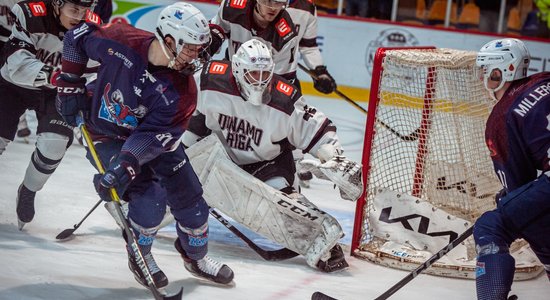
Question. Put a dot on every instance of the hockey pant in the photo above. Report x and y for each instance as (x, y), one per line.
(167, 180)
(54, 136)
(289, 221)
(522, 213)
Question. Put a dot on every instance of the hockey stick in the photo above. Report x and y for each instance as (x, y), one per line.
(270, 255)
(461, 238)
(408, 138)
(132, 242)
(69, 231)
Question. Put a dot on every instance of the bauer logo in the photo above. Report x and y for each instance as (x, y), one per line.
(38, 9)
(284, 88)
(238, 3)
(392, 37)
(282, 27)
(217, 68)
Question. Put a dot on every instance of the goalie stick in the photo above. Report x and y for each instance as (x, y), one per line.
(461, 238)
(408, 138)
(131, 238)
(270, 255)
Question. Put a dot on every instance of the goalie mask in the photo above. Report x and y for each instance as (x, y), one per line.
(509, 56)
(188, 27)
(253, 69)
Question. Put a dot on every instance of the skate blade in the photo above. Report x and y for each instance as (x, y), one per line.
(20, 224)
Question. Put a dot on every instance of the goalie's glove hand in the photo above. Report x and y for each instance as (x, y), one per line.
(122, 170)
(346, 174)
(71, 98)
(322, 80)
(217, 36)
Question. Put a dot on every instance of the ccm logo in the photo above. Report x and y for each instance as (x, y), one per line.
(284, 88)
(237, 3)
(71, 90)
(217, 68)
(282, 27)
(38, 9)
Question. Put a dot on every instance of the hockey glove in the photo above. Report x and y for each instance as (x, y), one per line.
(217, 38)
(122, 170)
(47, 77)
(71, 98)
(322, 80)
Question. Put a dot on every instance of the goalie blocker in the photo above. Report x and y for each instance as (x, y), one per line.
(289, 220)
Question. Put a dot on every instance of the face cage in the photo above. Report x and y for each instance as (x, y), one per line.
(195, 64)
(256, 91)
(277, 5)
(73, 11)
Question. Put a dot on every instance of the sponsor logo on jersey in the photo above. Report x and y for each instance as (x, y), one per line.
(240, 4)
(38, 9)
(282, 27)
(92, 18)
(127, 62)
(217, 68)
(284, 88)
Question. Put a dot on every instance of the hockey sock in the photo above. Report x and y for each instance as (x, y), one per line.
(494, 276)
(50, 149)
(193, 241)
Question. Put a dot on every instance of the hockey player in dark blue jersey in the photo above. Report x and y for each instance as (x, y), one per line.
(518, 137)
(142, 99)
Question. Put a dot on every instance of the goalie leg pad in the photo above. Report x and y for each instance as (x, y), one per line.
(290, 222)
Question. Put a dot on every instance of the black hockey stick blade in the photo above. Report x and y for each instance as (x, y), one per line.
(159, 296)
(321, 296)
(65, 234)
(269, 255)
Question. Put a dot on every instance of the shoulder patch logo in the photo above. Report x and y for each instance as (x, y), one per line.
(282, 27)
(92, 18)
(217, 68)
(38, 9)
(284, 88)
(240, 4)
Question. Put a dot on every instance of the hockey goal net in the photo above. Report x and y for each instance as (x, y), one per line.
(428, 174)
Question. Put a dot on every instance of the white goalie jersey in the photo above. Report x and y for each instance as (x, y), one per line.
(252, 133)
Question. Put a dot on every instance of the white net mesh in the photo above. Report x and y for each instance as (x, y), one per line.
(436, 153)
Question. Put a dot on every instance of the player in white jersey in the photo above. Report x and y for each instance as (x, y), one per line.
(288, 28)
(260, 118)
(29, 60)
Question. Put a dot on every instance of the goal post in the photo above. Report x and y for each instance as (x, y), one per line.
(427, 172)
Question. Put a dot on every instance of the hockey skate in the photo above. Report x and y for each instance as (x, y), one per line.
(206, 267)
(25, 206)
(159, 278)
(335, 262)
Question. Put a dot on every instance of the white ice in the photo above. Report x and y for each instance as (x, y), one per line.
(93, 265)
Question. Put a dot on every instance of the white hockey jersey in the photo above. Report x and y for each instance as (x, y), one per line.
(256, 133)
(36, 40)
(293, 30)
(7, 19)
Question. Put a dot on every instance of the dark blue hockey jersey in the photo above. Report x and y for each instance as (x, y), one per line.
(147, 106)
(518, 131)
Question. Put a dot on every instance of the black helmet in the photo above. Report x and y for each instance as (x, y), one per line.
(85, 3)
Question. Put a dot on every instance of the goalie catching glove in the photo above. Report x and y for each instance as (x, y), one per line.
(334, 166)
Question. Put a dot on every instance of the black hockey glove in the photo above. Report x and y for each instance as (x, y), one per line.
(324, 82)
(217, 38)
(122, 170)
(71, 98)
